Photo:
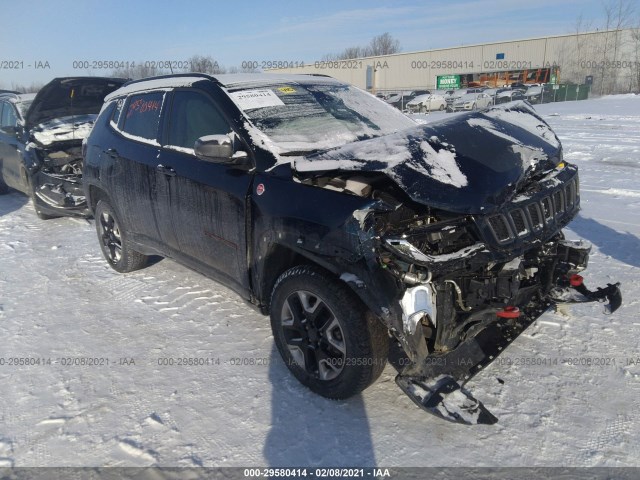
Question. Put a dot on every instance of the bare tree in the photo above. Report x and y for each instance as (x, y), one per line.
(618, 15)
(138, 71)
(204, 64)
(33, 88)
(635, 80)
(241, 69)
(383, 44)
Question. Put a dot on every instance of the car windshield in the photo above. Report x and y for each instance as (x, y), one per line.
(468, 97)
(420, 98)
(301, 118)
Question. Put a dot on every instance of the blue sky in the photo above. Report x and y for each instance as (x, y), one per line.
(62, 31)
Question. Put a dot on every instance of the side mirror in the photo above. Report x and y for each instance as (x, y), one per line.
(218, 149)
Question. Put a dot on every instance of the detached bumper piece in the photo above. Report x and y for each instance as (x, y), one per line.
(437, 386)
(60, 192)
(577, 292)
(445, 398)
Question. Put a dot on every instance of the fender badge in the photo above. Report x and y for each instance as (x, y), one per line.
(260, 189)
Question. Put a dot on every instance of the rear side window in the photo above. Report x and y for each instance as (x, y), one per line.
(115, 119)
(193, 116)
(142, 115)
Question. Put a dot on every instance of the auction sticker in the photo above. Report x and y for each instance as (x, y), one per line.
(287, 90)
(250, 99)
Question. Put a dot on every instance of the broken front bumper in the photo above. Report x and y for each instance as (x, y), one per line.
(61, 194)
(435, 382)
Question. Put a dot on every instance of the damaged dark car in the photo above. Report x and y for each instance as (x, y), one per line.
(347, 223)
(41, 141)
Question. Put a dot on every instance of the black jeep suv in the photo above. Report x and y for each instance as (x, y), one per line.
(41, 141)
(345, 221)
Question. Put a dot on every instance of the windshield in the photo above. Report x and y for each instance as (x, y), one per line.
(469, 97)
(301, 118)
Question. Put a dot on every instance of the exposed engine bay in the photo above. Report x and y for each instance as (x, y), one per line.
(59, 179)
(468, 284)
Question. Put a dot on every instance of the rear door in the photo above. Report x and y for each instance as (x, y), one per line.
(207, 200)
(134, 161)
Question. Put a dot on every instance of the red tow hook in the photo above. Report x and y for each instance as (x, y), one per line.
(576, 280)
(508, 312)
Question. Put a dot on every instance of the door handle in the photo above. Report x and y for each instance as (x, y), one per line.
(112, 152)
(166, 170)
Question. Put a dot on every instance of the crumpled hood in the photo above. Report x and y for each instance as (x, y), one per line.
(63, 129)
(67, 96)
(471, 163)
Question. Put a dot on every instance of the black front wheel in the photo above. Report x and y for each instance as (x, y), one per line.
(328, 339)
(113, 241)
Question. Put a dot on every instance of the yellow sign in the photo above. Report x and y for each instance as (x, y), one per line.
(287, 90)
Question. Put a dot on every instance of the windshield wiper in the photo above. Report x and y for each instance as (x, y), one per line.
(298, 153)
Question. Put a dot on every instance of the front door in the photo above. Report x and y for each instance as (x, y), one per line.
(207, 200)
(10, 156)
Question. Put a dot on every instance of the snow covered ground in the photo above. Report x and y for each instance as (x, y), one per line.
(59, 300)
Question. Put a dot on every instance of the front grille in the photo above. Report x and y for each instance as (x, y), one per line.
(500, 228)
(535, 216)
(526, 219)
(547, 209)
(558, 202)
(519, 222)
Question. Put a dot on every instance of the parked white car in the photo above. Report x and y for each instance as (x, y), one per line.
(472, 101)
(427, 103)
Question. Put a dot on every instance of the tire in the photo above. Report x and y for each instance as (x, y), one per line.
(441, 107)
(353, 346)
(3, 188)
(474, 107)
(113, 241)
(423, 109)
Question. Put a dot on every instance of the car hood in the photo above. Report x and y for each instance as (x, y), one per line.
(63, 97)
(472, 163)
(63, 129)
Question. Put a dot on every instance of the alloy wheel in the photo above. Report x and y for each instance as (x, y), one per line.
(313, 335)
(110, 237)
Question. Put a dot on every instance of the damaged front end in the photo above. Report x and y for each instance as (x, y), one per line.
(56, 177)
(471, 284)
(467, 270)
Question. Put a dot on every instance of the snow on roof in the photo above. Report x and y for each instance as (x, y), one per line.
(156, 83)
(18, 97)
(237, 79)
(227, 80)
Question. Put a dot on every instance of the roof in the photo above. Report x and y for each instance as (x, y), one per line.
(230, 80)
(17, 97)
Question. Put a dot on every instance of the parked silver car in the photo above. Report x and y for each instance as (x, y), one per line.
(427, 103)
(472, 101)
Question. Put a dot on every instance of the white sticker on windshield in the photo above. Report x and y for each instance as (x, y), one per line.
(249, 99)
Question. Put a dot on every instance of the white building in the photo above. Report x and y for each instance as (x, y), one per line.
(610, 58)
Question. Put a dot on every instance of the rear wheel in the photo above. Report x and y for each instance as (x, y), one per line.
(331, 343)
(113, 241)
(441, 107)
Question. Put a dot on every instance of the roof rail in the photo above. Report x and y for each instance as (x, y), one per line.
(172, 75)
